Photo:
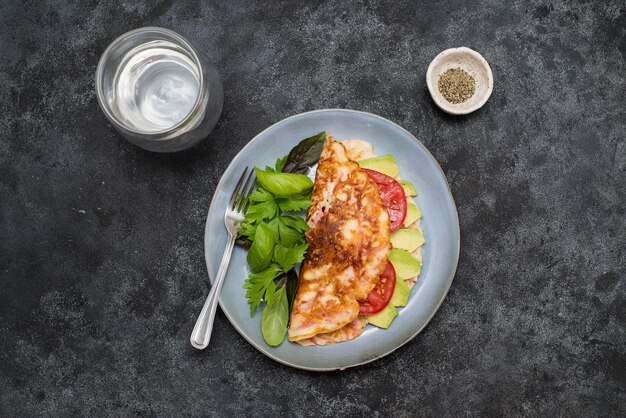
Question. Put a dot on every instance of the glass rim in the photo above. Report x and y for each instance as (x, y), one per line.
(100, 94)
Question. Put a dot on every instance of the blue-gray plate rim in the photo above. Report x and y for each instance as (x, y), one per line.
(440, 224)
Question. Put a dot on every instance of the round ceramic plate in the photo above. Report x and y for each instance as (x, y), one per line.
(440, 225)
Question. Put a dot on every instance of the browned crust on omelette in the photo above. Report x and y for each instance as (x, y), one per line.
(346, 333)
(348, 246)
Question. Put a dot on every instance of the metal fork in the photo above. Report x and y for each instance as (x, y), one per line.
(237, 207)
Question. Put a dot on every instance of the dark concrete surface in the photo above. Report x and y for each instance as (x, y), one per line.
(101, 243)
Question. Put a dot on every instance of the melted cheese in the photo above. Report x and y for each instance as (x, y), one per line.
(357, 149)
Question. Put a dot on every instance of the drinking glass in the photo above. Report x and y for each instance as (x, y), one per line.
(158, 90)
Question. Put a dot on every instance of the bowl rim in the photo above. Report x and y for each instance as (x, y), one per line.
(444, 105)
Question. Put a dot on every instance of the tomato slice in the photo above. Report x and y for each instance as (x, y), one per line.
(393, 196)
(380, 296)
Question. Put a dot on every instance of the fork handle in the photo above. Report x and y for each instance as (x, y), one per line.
(201, 334)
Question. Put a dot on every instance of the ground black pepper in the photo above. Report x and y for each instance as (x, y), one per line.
(456, 85)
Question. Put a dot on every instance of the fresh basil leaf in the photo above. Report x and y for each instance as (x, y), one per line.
(291, 285)
(273, 226)
(305, 154)
(294, 203)
(284, 184)
(289, 237)
(257, 285)
(290, 281)
(275, 317)
(262, 249)
(295, 222)
(287, 257)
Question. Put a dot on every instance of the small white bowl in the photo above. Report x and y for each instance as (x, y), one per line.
(474, 64)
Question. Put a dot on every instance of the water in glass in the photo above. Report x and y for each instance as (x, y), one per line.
(156, 86)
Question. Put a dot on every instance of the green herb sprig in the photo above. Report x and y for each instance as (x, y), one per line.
(276, 237)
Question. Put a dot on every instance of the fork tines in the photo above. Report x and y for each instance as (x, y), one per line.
(240, 198)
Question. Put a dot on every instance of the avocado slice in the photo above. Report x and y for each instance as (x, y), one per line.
(383, 318)
(407, 239)
(413, 213)
(405, 264)
(409, 189)
(400, 294)
(385, 164)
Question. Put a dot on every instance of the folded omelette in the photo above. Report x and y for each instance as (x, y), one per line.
(348, 249)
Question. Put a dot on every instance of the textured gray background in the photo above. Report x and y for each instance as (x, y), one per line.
(101, 243)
